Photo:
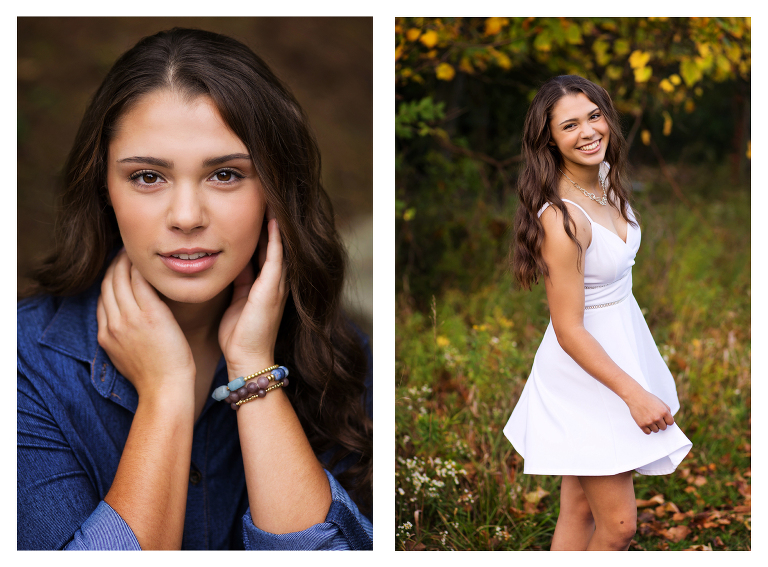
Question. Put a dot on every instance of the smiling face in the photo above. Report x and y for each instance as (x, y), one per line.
(579, 130)
(186, 195)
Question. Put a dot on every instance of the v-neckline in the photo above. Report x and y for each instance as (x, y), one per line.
(624, 242)
(592, 221)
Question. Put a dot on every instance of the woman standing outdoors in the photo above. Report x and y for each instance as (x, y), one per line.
(599, 403)
(186, 376)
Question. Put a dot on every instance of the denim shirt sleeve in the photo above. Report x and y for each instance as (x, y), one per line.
(105, 529)
(57, 505)
(344, 528)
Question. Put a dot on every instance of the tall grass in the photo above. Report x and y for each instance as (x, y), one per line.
(462, 364)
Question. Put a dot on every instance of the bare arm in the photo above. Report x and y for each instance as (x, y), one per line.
(150, 486)
(565, 294)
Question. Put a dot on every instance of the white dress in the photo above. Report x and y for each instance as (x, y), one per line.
(568, 423)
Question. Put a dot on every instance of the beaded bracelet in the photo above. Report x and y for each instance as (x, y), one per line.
(238, 384)
(235, 405)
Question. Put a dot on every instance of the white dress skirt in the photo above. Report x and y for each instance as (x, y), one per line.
(568, 423)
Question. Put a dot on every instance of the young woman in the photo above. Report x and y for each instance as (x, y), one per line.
(195, 252)
(599, 402)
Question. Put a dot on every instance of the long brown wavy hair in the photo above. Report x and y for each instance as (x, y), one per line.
(316, 340)
(539, 178)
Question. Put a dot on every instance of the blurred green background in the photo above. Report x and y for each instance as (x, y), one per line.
(327, 62)
(466, 338)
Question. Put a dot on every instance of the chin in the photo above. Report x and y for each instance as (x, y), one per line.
(191, 292)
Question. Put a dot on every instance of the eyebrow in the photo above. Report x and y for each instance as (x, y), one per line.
(158, 162)
(590, 113)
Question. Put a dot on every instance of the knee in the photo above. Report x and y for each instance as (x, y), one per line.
(623, 533)
(627, 530)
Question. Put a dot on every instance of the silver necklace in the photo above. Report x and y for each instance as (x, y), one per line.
(603, 201)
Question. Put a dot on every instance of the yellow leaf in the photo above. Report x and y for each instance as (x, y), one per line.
(638, 59)
(466, 66)
(535, 496)
(409, 214)
(600, 47)
(689, 106)
(445, 72)
(442, 341)
(494, 25)
(667, 123)
(690, 72)
(503, 60)
(614, 73)
(642, 74)
(398, 52)
(645, 136)
(675, 79)
(412, 34)
(620, 47)
(666, 86)
(429, 38)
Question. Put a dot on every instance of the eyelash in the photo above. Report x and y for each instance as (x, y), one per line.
(135, 177)
(568, 126)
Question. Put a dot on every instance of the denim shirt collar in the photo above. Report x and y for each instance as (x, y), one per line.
(73, 331)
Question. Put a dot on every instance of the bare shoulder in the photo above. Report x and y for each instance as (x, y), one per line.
(554, 231)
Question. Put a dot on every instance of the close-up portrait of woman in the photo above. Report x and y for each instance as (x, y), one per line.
(192, 373)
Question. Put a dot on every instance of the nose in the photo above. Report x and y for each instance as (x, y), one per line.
(587, 131)
(187, 211)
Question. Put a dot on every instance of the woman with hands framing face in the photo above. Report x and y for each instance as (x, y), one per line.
(151, 364)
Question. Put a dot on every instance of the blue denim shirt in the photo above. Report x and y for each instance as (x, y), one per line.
(74, 414)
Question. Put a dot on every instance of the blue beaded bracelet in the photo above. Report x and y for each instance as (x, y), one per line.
(223, 392)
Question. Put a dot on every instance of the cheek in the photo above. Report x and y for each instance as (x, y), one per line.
(243, 221)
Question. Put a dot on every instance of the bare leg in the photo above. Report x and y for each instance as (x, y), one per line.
(612, 501)
(575, 524)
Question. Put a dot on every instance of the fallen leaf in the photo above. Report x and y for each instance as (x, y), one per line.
(530, 507)
(654, 500)
(535, 496)
(700, 481)
(413, 546)
(742, 509)
(690, 489)
(677, 533)
(680, 516)
(719, 542)
(645, 516)
(699, 548)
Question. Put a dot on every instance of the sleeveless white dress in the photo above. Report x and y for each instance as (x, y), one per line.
(568, 423)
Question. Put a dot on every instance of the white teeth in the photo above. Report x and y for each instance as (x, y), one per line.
(190, 256)
(590, 147)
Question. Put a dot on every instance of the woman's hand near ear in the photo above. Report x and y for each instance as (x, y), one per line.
(248, 329)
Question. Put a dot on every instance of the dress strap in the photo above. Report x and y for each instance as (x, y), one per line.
(582, 210)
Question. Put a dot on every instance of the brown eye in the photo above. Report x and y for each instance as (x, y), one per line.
(148, 178)
(224, 176)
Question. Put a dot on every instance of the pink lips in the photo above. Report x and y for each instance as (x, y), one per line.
(189, 266)
(596, 149)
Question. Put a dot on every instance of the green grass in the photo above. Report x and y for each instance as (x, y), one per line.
(462, 364)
